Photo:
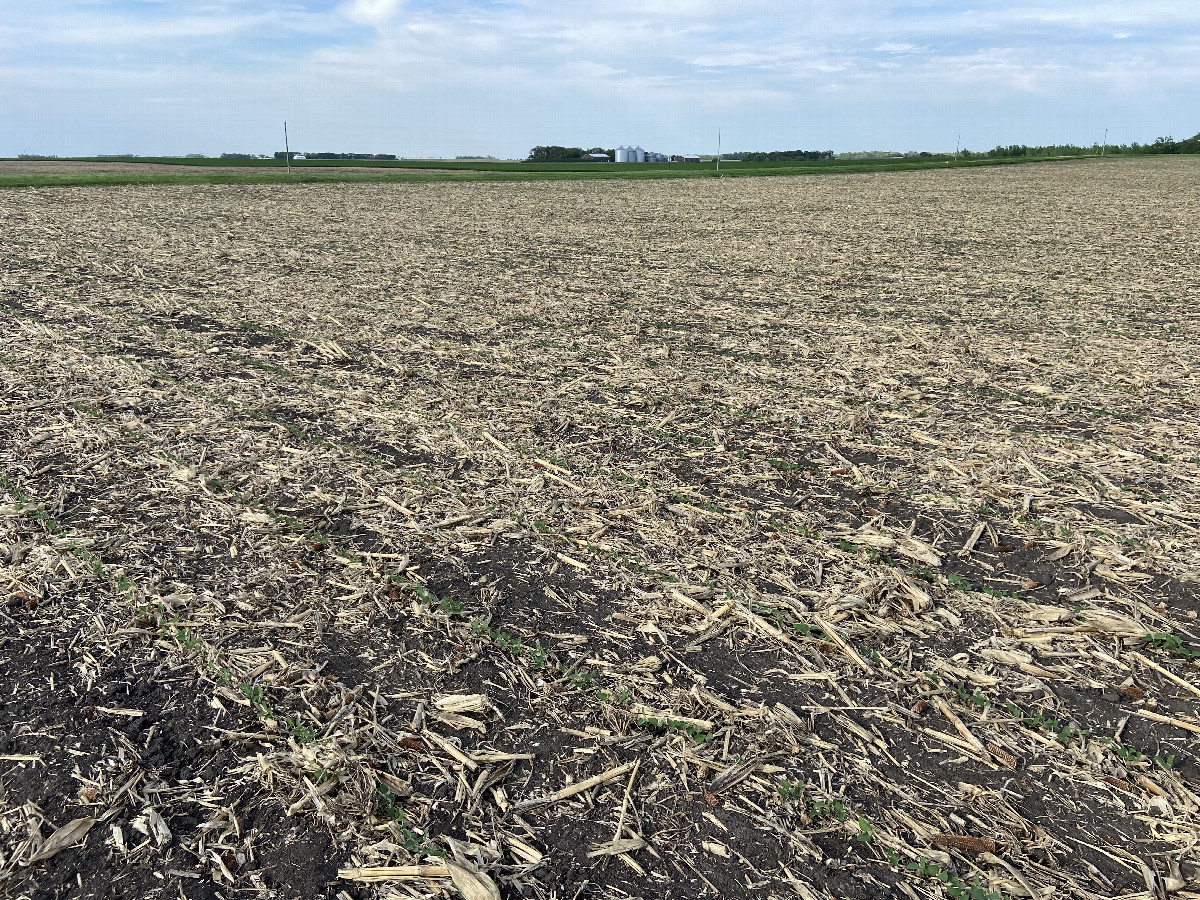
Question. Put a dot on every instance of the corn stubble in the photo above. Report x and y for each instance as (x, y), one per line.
(818, 538)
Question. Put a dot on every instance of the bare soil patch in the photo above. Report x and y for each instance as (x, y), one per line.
(818, 538)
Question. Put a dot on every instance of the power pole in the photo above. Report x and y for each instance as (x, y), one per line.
(1104, 149)
(718, 151)
(287, 151)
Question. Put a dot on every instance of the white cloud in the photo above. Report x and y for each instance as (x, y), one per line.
(375, 13)
(447, 76)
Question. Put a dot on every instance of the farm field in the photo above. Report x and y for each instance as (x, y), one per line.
(773, 538)
(109, 171)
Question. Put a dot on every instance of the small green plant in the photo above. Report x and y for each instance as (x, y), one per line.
(1128, 754)
(958, 582)
(425, 595)
(956, 888)
(1172, 644)
(223, 675)
(580, 679)
(866, 833)
(974, 698)
(302, 732)
(258, 699)
(389, 804)
(1063, 733)
(1166, 763)
(410, 839)
(694, 733)
(173, 630)
(790, 790)
(827, 809)
(784, 466)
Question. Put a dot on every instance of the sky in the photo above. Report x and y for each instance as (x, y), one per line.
(444, 78)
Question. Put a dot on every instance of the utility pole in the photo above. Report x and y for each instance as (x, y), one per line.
(718, 151)
(287, 151)
(1104, 149)
(957, 145)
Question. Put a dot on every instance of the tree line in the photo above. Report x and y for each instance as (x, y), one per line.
(555, 153)
(1160, 145)
(783, 156)
(280, 154)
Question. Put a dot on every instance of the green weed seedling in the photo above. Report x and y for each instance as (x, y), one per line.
(173, 630)
(1172, 644)
(223, 676)
(579, 679)
(302, 732)
(866, 832)
(956, 888)
(425, 595)
(258, 699)
(411, 840)
(790, 790)
(693, 733)
(827, 809)
(538, 659)
(974, 698)
(1128, 754)
(388, 803)
(958, 582)
(1063, 733)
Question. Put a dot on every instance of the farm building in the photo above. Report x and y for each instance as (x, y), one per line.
(638, 155)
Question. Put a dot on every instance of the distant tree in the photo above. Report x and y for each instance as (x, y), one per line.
(195, 156)
(281, 154)
(555, 153)
(237, 156)
(784, 156)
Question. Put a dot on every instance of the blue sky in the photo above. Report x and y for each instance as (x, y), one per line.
(449, 77)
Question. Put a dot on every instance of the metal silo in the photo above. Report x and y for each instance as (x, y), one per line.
(623, 154)
(640, 155)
